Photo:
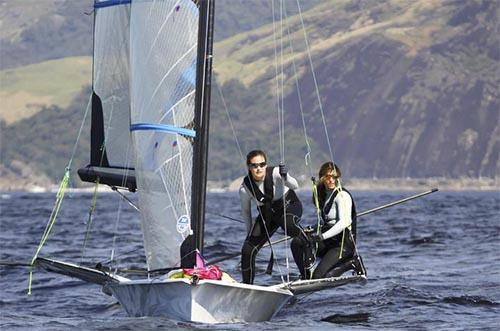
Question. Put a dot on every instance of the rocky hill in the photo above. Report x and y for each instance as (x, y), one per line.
(408, 89)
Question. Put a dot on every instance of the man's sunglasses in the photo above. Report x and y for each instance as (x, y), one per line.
(257, 165)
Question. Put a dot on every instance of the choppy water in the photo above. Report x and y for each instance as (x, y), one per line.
(432, 263)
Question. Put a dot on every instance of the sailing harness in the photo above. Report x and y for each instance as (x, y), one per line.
(269, 206)
(326, 210)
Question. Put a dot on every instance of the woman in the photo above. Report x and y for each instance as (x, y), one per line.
(266, 187)
(336, 238)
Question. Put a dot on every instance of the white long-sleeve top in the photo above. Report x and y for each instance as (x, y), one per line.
(280, 188)
(343, 205)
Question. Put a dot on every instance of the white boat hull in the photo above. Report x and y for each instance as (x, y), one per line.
(208, 301)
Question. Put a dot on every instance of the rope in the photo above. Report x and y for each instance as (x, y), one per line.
(242, 157)
(115, 229)
(276, 74)
(124, 197)
(89, 220)
(50, 224)
(316, 204)
(315, 81)
(282, 135)
(282, 108)
(230, 121)
(79, 133)
(59, 197)
(301, 107)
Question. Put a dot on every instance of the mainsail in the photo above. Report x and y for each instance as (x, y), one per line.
(150, 116)
(111, 156)
(163, 57)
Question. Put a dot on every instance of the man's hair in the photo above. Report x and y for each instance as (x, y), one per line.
(255, 153)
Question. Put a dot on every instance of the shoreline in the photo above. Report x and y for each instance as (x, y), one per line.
(354, 184)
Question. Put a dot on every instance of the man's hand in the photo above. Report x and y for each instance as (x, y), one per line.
(283, 170)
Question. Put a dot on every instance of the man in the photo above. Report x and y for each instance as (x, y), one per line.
(267, 187)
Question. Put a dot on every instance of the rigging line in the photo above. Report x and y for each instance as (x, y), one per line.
(282, 99)
(308, 146)
(117, 222)
(127, 160)
(283, 14)
(120, 255)
(50, 223)
(225, 216)
(118, 213)
(90, 218)
(301, 106)
(242, 157)
(315, 81)
(230, 120)
(80, 132)
(278, 104)
(114, 188)
(59, 199)
(276, 73)
(94, 198)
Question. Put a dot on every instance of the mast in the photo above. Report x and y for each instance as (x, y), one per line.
(201, 122)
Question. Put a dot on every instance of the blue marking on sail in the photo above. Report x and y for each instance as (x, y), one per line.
(109, 3)
(164, 128)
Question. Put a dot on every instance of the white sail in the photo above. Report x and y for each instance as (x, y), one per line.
(163, 37)
(111, 82)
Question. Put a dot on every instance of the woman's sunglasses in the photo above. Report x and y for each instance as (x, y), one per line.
(257, 165)
(327, 177)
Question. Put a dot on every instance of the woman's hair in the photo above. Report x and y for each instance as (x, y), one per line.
(255, 153)
(327, 167)
(321, 188)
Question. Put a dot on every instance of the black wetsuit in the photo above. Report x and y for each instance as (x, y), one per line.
(270, 218)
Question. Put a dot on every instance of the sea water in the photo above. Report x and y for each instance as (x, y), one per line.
(433, 264)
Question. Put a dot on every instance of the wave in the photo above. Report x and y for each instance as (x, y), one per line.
(468, 300)
(347, 318)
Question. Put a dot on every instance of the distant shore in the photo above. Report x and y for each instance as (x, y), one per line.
(392, 184)
(354, 184)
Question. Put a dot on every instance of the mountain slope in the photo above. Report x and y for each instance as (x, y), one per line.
(26, 90)
(408, 88)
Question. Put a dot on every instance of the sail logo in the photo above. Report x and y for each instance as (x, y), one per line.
(184, 224)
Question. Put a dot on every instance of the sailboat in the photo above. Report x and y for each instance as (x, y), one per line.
(149, 134)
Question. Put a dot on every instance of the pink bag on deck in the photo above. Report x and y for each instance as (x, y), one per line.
(203, 272)
(211, 272)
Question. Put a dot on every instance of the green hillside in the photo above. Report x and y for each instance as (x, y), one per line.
(26, 90)
(408, 89)
(44, 142)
